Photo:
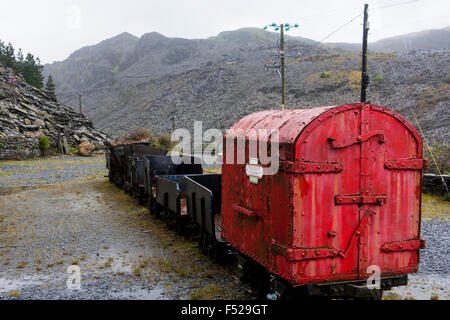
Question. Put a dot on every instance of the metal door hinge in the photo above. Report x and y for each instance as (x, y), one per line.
(407, 245)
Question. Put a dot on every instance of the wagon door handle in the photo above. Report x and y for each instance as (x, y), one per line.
(357, 139)
(245, 211)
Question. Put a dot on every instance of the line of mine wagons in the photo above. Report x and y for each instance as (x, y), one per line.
(180, 194)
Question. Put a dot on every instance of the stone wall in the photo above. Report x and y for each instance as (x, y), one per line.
(432, 183)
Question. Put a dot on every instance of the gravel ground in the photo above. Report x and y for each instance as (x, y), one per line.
(60, 211)
(52, 170)
(122, 251)
(433, 279)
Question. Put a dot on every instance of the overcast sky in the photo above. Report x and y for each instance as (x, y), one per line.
(53, 29)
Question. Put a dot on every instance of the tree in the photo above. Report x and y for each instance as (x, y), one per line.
(7, 57)
(32, 71)
(30, 68)
(50, 88)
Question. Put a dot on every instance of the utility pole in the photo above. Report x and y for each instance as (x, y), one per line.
(364, 76)
(283, 70)
(282, 56)
(173, 123)
(79, 101)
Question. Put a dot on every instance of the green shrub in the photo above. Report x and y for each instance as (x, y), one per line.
(378, 79)
(448, 78)
(164, 141)
(138, 134)
(441, 153)
(73, 150)
(115, 70)
(1, 145)
(325, 74)
(44, 143)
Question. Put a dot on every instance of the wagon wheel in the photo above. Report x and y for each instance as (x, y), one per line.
(179, 224)
(201, 240)
(141, 197)
(204, 242)
(167, 218)
(377, 294)
(215, 251)
(154, 208)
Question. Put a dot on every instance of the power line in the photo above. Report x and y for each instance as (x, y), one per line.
(330, 34)
(395, 4)
(336, 30)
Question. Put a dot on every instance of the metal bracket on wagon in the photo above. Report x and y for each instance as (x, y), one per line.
(358, 199)
(406, 164)
(310, 167)
(305, 253)
(358, 139)
(245, 211)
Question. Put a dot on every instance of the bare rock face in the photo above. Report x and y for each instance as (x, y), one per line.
(27, 113)
(85, 149)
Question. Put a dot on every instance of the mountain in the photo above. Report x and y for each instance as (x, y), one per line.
(428, 39)
(91, 64)
(220, 79)
(27, 113)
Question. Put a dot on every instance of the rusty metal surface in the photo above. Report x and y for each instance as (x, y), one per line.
(309, 224)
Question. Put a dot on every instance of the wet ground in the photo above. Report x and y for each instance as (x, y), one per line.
(122, 252)
(62, 212)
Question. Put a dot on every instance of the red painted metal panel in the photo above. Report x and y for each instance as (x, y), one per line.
(338, 199)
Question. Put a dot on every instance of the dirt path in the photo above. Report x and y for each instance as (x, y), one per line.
(122, 251)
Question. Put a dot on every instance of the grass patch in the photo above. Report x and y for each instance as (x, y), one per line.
(209, 292)
(14, 293)
(435, 207)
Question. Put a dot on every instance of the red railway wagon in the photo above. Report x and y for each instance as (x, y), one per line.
(347, 195)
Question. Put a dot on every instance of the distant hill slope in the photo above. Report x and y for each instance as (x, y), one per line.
(221, 79)
(428, 39)
(423, 40)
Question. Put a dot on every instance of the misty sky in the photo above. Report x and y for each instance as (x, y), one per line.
(53, 29)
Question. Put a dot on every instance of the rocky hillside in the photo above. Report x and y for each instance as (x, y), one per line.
(27, 113)
(221, 79)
